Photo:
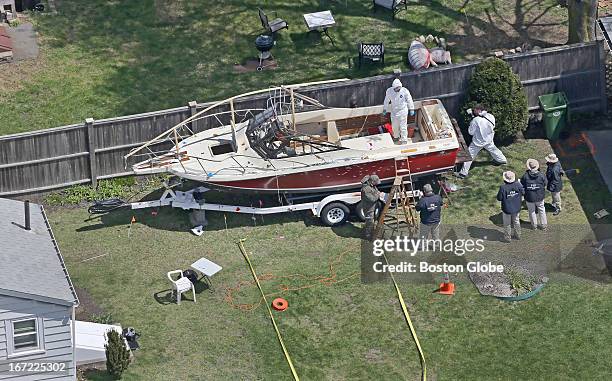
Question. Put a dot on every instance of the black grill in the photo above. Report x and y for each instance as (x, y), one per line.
(264, 43)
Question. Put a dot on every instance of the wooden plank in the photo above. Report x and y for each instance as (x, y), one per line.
(463, 155)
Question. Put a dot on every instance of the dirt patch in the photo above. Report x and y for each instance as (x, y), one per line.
(169, 11)
(373, 355)
(252, 65)
(504, 25)
(92, 372)
(87, 306)
(14, 74)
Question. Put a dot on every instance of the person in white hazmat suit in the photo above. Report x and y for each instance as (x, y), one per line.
(482, 129)
(399, 101)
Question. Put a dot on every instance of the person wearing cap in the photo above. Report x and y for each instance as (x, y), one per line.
(534, 183)
(510, 195)
(555, 184)
(430, 209)
(369, 199)
(399, 101)
(482, 129)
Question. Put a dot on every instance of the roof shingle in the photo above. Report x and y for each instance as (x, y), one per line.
(30, 261)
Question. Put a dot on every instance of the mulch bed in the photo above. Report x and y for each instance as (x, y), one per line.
(87, 306)
(498, 284)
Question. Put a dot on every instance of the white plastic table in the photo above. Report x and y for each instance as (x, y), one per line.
(320, 22)
(207, 268)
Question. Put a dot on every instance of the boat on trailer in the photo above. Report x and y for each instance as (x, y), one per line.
(297, 145)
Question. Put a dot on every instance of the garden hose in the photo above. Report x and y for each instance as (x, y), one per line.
(106, 206)
(111, 204)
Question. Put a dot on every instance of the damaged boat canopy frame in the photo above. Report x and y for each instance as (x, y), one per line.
(182, 130)
(271, 136)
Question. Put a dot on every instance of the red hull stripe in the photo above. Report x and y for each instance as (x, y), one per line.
(342, 177)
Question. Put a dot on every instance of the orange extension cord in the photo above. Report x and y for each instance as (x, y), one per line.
(324, 280)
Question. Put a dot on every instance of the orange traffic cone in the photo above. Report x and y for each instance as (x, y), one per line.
(446, 288)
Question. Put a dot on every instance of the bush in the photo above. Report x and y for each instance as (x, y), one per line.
(77, 194)
(104, 318)
(117, 355)
(500, 90)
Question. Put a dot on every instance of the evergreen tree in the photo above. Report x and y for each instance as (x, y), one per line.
(500, 90)
(117, 355)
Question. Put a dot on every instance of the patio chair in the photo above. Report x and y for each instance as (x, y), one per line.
(395, 6)
(182, 284)
(274, 25)
(372, 52)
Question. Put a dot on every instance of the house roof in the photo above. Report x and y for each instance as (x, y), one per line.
(30, 261)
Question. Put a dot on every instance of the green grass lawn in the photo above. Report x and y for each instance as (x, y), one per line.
(109, 58)
(343, 331)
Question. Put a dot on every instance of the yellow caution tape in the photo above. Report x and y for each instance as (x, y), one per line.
(409, 321)
(280, 338)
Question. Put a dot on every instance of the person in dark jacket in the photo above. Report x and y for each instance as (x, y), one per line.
(510, 194)
(555, 184)
(430, 208)
(369, 199)
(534, 183)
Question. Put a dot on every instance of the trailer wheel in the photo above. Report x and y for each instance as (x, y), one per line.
(361, 215)
(334, 214)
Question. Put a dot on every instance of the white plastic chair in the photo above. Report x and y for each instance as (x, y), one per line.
(181, 285)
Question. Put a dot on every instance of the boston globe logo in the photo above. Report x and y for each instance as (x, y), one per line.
(409, 246)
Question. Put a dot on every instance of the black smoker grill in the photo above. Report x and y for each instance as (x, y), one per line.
(264, 44)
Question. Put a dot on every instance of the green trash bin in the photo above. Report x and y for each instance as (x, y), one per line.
(556, 113)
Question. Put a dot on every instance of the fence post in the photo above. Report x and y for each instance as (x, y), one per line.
(193, 109)
(91, 147)
(601, 60)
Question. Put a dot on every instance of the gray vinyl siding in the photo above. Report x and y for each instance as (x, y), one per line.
(57, 337)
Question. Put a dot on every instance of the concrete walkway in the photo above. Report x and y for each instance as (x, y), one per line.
(25, 45)
(602, 142)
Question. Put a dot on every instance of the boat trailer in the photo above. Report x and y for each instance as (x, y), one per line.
(332, 209)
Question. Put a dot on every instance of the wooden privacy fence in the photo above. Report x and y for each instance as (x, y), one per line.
(84, 153)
